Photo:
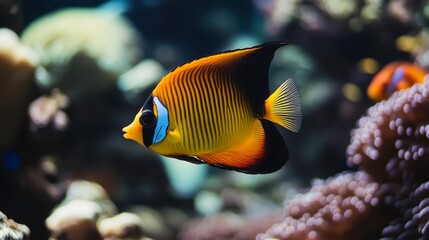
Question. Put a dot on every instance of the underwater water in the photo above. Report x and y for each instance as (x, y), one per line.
(74, 73)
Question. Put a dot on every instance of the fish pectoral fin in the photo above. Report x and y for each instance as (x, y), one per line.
(262, 151)
(284, 106)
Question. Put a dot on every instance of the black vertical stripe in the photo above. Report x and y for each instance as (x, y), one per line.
(233, 122)
(207, 94)
(224, 95)
(176, 104)
(181, 106)
(192, 110)
(185, 102)
(220, 104)
(202, 119)
(214, 106)
(204, 123)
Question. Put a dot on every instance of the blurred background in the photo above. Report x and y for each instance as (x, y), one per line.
(74, 73)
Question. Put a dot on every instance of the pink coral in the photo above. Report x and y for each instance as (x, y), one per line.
(333, 209)
(228, 226)
(49, 109)
(391, 142)
(223, 226)
(413, 222)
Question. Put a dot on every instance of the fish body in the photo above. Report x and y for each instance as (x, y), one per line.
(393, 77)
(218, 110)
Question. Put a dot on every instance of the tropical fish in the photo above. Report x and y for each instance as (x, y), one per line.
(218, 110)
(393, 77)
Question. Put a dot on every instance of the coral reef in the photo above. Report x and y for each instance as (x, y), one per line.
(86, 80)
(79, 60)
(83, 199)
(390, 146)
(230, 214)
(122, 226)
(74, 211)
(349, 14)
(155, 224)
(228, 225)
(11, 230)
(391, 142)
(30, 186)
(278, 13)
(76, 217)
(49, 109)
(413, 222)
(87, 213)
(84, 229)
(222, 226)
(333, 209)
(91, 191)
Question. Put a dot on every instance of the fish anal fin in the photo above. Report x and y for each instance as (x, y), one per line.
(262, 151)
(284, 106)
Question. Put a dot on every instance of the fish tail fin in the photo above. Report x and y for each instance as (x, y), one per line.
(284, 106)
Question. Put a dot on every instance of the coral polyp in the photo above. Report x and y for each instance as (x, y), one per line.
(392, 141)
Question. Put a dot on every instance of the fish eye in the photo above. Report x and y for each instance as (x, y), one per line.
(147, 119)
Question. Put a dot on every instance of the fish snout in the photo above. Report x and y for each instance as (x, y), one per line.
(133, 132)
(125, 132)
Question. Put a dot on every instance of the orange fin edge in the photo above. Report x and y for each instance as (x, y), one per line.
(263, 151)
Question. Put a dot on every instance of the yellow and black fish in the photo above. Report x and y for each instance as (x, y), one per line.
(218, 110)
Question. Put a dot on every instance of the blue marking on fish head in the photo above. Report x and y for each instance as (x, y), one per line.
(162, 121)
(398, 76)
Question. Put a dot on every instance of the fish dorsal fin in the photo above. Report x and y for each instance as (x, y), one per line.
(248, 67)
(251, 71)
(261, 55)
(262, 151)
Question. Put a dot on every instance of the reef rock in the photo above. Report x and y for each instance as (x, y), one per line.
(76, 217)
(83, 50)
(49, 110)
(79, 228)
(122, 226)
(10, 230)
(17, 68)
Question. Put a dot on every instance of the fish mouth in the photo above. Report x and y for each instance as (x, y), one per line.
(126, 135)
(134, 131)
